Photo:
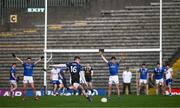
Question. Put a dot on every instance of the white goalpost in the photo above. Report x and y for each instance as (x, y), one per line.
(96, 50)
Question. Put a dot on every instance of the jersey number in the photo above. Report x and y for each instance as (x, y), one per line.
(73, 69)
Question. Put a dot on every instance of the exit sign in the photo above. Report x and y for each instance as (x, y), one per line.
(36, 10)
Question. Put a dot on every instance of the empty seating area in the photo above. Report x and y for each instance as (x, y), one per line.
(131, 28)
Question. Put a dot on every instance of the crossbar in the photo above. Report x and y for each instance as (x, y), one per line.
(97, 50)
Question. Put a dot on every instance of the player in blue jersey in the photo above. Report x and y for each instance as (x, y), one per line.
(28, 66)
(13, 78)
(113, 73)
(158, 74)
(77, 73)
(143, 78)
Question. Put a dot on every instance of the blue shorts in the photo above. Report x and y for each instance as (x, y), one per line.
(55, 82)
(169, 82)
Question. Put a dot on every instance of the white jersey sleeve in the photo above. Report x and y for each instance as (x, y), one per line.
(169, 73)
(54, 74)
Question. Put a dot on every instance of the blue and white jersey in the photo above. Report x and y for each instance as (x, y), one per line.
(12, 70)
(28, 69)
(113, 68)
(143, 73)
(168, 73)
(55, 74)
(159, 72)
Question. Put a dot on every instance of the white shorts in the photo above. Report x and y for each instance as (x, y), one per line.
(13, 82)
(159, 81)
(144, 81)
(113, 79)
(76, 85)
(28, 79)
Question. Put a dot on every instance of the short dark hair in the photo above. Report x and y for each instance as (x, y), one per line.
(167, 64)
(143, 64)
(76, 57)
(113, 57)
(127, 68)
(28, 57)
(157, 63)
(13, 64)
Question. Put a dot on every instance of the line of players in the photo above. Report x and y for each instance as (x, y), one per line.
(76, 72)
(74, 67)
(162, 75)
(143, 76)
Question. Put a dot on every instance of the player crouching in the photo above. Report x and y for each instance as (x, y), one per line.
(56, 81)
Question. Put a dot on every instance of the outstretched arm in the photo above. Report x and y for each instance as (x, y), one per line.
(121, 57)
(39, 60)
(17, 58)
(102, 56)
(59, 65)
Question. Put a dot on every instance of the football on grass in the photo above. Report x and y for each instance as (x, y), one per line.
(104, 100)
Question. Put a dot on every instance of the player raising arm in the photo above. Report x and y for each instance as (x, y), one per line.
(113, 73)
(28, 74)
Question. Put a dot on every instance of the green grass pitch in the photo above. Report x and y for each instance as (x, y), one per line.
(79, 101)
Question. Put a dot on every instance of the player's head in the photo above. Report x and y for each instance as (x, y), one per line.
(113, 59)
(158, 64)
(127, 68)
(167, 65)
(88, 65)
(143, 65)
(77, 59)
(28, 59)
(13, 64)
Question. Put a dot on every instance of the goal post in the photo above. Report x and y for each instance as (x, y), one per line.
(97, 50)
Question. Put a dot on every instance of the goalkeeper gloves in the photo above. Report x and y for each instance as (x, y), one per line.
(13, 55)
(42, 57)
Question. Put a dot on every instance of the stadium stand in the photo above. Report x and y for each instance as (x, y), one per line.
(131, 27)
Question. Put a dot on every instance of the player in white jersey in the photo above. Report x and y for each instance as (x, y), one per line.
(57, 83)
(169, 74)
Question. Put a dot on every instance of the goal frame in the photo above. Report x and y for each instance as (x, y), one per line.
(96, 50)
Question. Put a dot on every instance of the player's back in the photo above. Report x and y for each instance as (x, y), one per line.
(75, 69)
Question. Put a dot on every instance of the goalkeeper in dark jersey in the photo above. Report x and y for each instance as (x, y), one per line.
(88, 76)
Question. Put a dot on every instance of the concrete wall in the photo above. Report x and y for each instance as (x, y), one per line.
(57, 14)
